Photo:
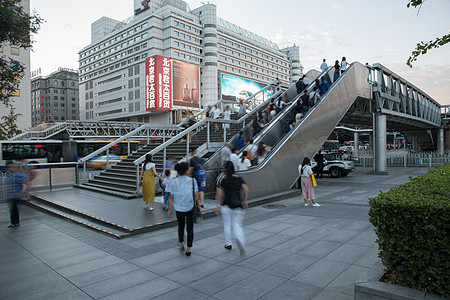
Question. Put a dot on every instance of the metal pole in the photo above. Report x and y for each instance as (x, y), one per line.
(356, 144)
(84, 170)
(50, 178)
(137, 179)
(128, 146)
(380, 145)
(148, 135)
(107, 158)
(165, 148)
(441, 141)
(207, 134)
(429, 158)
(77, 180)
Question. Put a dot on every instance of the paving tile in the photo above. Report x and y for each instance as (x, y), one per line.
(220, 280)
(197, 271)
(261, 225)
(320, 248)
(344, 283)
(294, 245)
(327, 295)
(278, 227)
(233, 256)
(368, 259)
(22, 272)
(321, 273)
(319, 233)
(263, 260)
(365, 238)
(89, 266)
(174, 264)
(298, 230)
(154, 258)
(256, 236)
(74, 259)
(45, 285)
(272, 241)
(75, 294)
(347, 253)
(118, 283)
(291, 265)
(252, 287)
(102, 274)
(184, 293)
(342, 235)
(145, 290)
(292, 290)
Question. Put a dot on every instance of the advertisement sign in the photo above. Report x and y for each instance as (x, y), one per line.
(236, 88)
(185, 85)
(158, 83)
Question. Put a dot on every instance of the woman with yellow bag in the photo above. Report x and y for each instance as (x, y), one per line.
(308, 179)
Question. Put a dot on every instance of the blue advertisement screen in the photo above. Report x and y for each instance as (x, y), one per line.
(236, 88)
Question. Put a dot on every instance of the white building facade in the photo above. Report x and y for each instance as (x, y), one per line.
(202, 45)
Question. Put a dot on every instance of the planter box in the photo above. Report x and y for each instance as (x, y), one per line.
(369, 287)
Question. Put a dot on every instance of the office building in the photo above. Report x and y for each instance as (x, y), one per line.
(202, 53)
(54, 98)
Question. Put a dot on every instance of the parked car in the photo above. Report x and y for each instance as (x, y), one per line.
(100, 161)
(336, 167)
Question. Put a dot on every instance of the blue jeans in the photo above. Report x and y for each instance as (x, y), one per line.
(166, 198)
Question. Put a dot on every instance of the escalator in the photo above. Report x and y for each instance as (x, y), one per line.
(279, 171)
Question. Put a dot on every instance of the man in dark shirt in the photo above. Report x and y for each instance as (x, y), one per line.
(319, 160)
(16, 190)
(305, 99)
(300, 86)
(240, 141)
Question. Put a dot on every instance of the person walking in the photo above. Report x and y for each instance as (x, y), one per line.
(234, 158)
(147, 180)
(299, 86)
(337, 70)
(240, 141)
(198, 173)
(319, 159)
(227, 116)
(183, 192)
(165, 185)
(231, 201)
(314, 98)
(305, 172)
(299, 110)
(323, 86)
(16, 190)
(344, 65)
(262, 151)
(324, 65)
(241, 109)
(225, 153)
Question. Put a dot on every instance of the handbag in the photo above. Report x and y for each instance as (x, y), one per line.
(196, 210)
(314, 182)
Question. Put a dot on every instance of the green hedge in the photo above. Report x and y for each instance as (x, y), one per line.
(412, 222)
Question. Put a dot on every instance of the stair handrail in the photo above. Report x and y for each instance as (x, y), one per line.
(218, 102)
(107, 146)
(39, 133)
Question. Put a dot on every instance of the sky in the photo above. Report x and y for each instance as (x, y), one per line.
(381, 31)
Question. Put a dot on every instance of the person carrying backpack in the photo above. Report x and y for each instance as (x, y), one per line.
(231, 200)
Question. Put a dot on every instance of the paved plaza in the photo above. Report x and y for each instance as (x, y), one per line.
(293, 252)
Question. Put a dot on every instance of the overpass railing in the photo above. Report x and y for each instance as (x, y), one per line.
(396, 96)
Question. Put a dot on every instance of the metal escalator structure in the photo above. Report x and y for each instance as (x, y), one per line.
(279, 170)
(172, 144)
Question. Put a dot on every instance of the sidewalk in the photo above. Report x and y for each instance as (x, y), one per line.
(293, 252)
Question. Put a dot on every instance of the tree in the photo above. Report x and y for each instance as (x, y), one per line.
(422, 47)
(16, 29)
(8, 128)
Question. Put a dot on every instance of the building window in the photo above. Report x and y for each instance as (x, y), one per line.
(130, 95)
(55, 111)
(136, 70)
(74, 105)
(137, 106)
(137, 94)
(130, 107)
(55, 82)
(136, 82)
(130, 72)
(62, 98)
(130, 83)
(14, 51)
(55, 97)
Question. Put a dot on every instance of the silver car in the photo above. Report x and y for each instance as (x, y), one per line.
(336, 167)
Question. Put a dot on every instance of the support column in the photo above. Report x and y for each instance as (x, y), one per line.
(415, 142)
(380, 144)
(441, 145)
(356, 144)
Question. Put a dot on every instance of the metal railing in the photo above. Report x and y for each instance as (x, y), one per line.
(406, 159)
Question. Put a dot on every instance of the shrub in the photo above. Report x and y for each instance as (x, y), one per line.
(412, 223)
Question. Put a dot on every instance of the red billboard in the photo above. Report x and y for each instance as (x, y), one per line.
(158, 83)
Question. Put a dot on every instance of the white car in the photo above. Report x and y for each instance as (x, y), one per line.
(336, 168)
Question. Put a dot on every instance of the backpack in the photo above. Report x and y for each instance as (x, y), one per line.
(235, 200)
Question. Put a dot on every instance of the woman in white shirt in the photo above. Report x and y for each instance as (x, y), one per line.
(343, 65)
(182, 190)
(148, 172)
(307, 186)
(244, 163)
(227, 116)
